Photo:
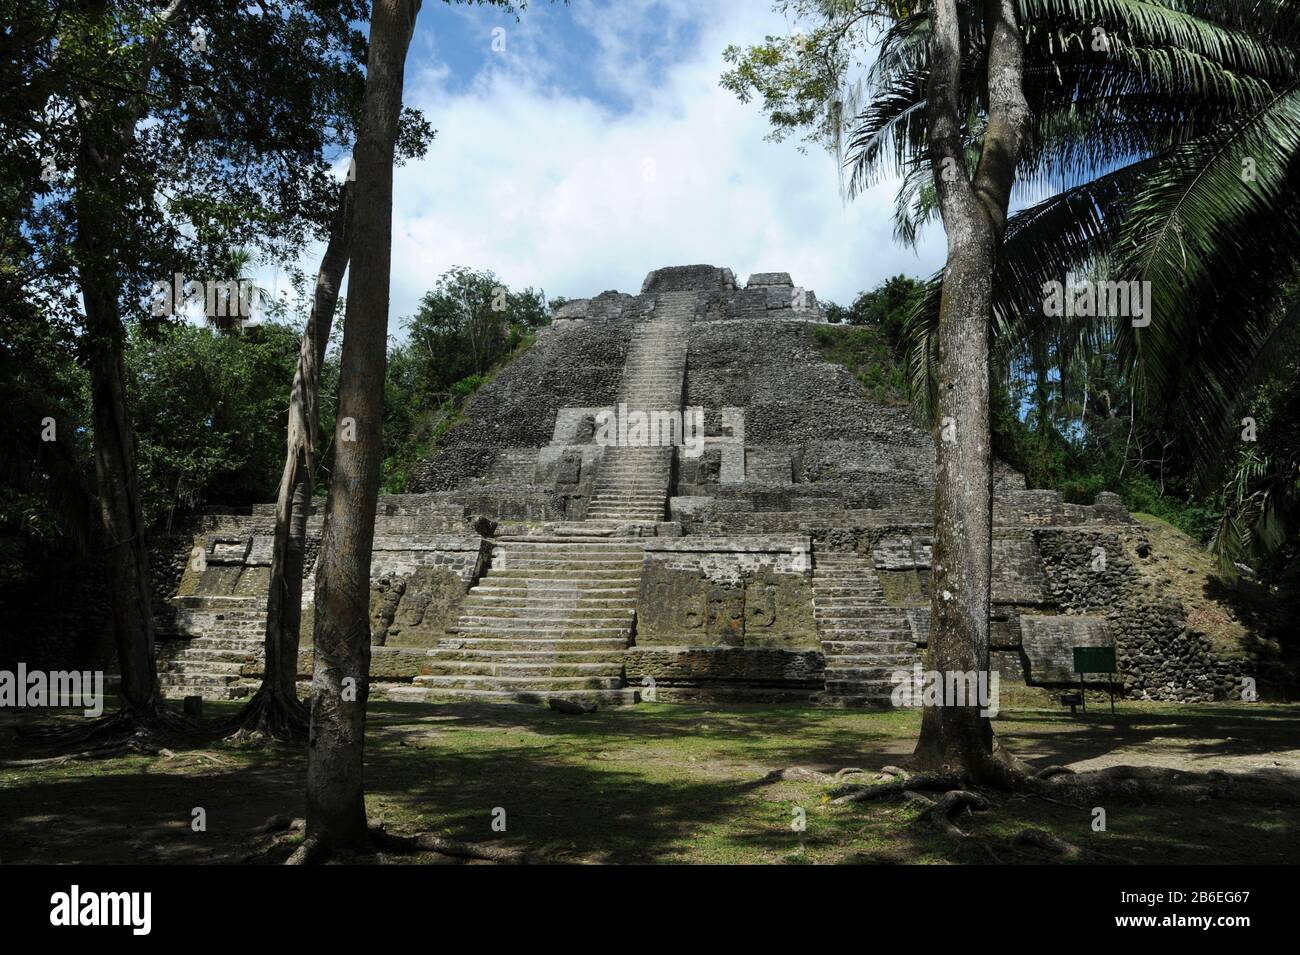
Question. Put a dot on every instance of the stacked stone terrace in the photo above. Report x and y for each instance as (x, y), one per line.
(784, 556)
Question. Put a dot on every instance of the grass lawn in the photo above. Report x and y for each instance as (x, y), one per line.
(654, 783)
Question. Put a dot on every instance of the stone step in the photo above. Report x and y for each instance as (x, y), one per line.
(515, 629)
(233, 691)
(489, 590)
(512, 562)
(216, 602)
(868, 613)
(218, 642)
(536, 644)
(482, 616)
(191, 653)
(851, 660)
(196, 679)
(882, 673)
(603, 669)
(233, 616)
(837, 648)
(851, 631)
(517, 683)
(187, 665)
(616, 549)
(424, 694)
(860, 612)
(490, 602)
(589, 578)
(558, 657)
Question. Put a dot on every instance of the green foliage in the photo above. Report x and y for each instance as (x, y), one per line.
(47, 508)
(865, 352)
(210, 415)
(468, 326)
(884, 308)
(1260, 498)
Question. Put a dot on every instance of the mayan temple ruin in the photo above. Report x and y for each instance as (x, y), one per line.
(672, 496)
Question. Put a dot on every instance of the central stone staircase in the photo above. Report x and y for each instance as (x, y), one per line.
(632, 484)
(550, 618)
(863, 640)
(554, 613)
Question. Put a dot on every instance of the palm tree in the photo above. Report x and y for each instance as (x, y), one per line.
(1164, 147)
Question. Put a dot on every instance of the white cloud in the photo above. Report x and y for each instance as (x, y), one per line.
(554, 190)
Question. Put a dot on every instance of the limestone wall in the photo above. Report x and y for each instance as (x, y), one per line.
(726, 617)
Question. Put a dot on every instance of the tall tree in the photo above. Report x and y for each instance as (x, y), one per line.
(276, 709)
(974, 210)
(803, 85)
(106, 132)
(158, 139)
(336, 813)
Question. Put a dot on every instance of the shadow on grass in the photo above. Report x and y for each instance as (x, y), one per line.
(660, 783)
(1205, 732)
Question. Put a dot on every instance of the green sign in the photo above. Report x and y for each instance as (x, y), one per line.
(1094, 660)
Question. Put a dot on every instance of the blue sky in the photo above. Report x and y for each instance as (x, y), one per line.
(598, 145)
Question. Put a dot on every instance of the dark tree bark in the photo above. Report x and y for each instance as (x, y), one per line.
(106, 132)
(336, 816)
(115, 471)
(974, 217)
(276, 709)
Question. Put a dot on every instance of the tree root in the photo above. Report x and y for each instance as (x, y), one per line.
(312, 851)
(279, 824)
(1153, 784)
(799, 774)
(270, 716)
(1045, 840)
(141, 743)
(431, 842)
(860, 792)
(939, 815)
(1047, 772)
(126, 727)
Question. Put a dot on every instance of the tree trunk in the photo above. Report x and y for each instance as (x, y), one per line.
(115, 472)
(974, 217)
(103, 141)
(336, 815)
(276, 708)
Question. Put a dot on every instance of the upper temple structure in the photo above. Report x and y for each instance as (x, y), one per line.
(673, 496)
